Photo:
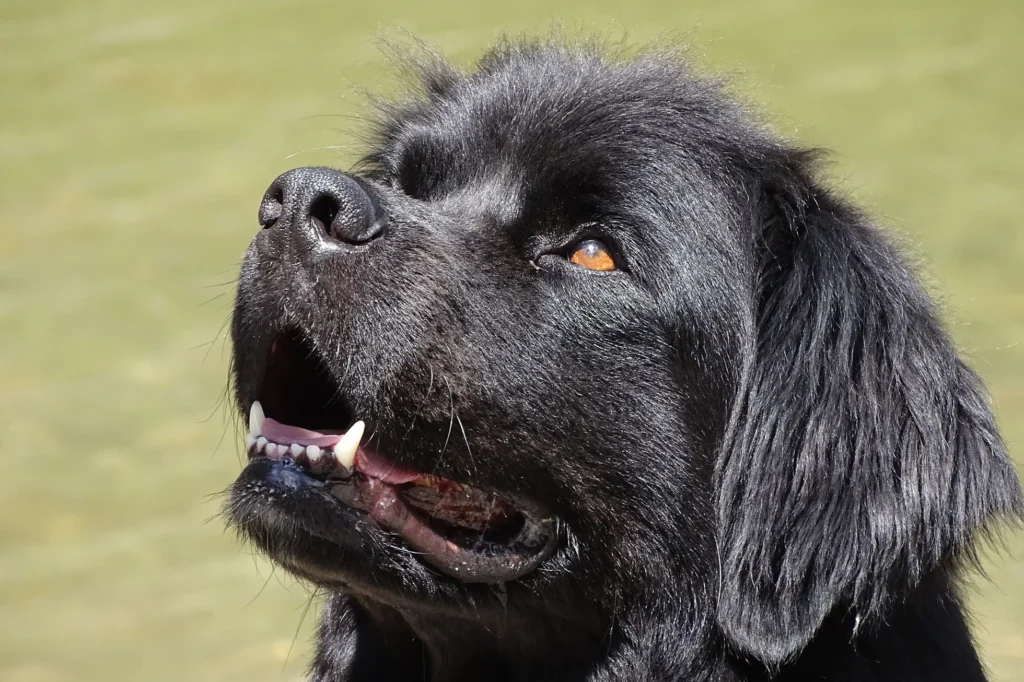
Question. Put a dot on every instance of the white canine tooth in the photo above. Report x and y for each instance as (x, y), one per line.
(313, 452)
(345, 450)
(261, 443)
(256, 418)
(250, 440)
(296, 449)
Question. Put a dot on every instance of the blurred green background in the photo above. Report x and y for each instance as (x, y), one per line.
(136, 139)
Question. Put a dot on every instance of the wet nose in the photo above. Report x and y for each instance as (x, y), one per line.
(324, 203)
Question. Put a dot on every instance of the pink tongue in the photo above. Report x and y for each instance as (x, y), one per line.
(381, 469)
(277, 432)
(366, 462)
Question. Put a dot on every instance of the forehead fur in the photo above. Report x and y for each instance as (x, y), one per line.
(525, 104)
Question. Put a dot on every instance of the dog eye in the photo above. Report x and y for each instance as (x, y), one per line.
(592, 255)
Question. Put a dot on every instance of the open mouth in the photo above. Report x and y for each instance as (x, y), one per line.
(465, 532)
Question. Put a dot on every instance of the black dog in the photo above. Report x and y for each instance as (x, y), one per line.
(643, 399)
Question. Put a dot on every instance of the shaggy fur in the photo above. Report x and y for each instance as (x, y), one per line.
(765, 457)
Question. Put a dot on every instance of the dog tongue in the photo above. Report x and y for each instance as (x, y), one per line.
(366, 461)
(376, 467)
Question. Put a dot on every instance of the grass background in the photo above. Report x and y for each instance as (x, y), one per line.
(136, 139)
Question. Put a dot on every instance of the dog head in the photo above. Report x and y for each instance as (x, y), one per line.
(621, 361)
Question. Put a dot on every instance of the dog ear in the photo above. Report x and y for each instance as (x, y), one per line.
(862, 453)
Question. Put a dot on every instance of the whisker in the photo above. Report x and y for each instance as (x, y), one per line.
(213, 298)
(220, 332)
(319, 149)
(472, 463)
(217, 285)
(265, 583)
(302, 619)
(451, 424)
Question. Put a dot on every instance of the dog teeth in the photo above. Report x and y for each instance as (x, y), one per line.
(343, 453)
(256, 418)
(345, 450)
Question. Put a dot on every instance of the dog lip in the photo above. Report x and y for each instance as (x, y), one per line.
(384, 504)
(391, 512)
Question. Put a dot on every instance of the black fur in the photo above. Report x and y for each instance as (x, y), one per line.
(766, 458)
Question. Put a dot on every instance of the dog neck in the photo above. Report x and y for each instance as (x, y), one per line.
(361, 639)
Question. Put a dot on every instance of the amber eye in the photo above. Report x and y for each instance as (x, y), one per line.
(593, 255)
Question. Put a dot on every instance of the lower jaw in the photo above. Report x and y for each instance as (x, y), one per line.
(274, 498)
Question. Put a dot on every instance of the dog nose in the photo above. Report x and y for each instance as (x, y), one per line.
(323, 202)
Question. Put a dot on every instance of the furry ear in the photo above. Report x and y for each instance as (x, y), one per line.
(862, 454)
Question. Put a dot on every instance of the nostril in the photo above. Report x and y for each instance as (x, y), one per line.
(322, 212)
(271, 207)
